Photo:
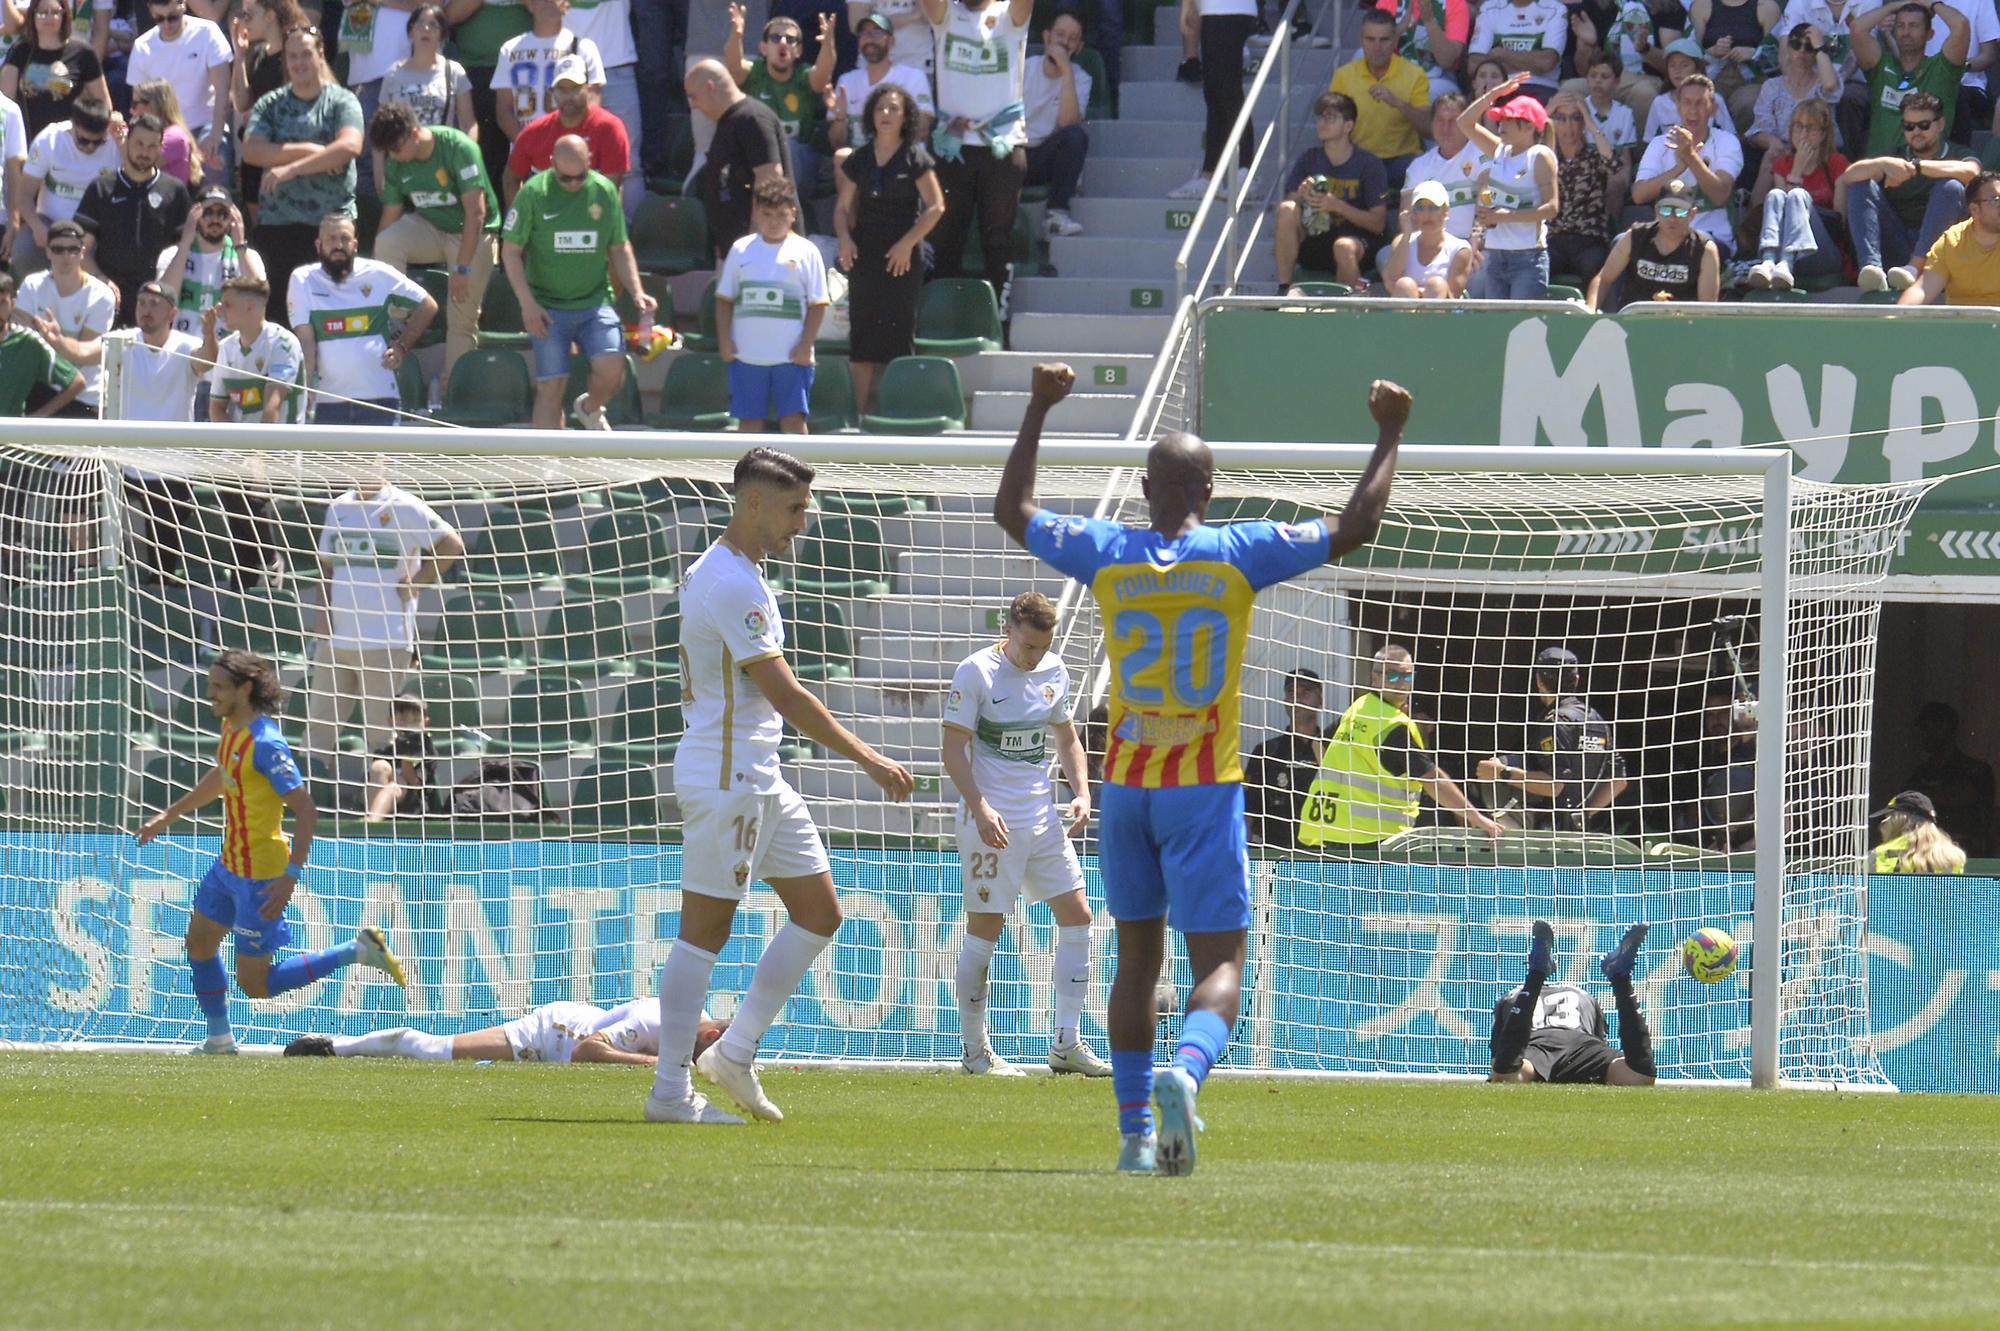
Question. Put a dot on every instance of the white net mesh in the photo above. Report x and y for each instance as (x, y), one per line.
(528, 850)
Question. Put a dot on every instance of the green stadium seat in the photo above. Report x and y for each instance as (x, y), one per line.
(917, 395)
(1099, 107)
(868, 504)
(679, 156)
(272, 623)
(183, 723)
(489, 389)
(1256, 508)
(475, 632)
(1559, 292)
(819, 646)
(451, 705)
(1024, 249)
(695, 395)
(831, 407)
(163, 629)
(547, 713)
(24, 720)
(500, 316)
(517, 545)
(626, 552)
(667, 494)
(165, 778)
(647, 726)
(670, 234)
(660, 288)
(437, 281)
(299, 525)
(958, 316)
(702, 338)
(616, 796)
(665, 653)
(587, 638)
(623, 412)
(1319, 290)
(842, 556)
(1772, 296)
(412, 393)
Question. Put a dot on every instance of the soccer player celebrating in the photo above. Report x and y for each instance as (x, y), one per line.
(552, 1033)
(1006, 702)
(1175, 599)
(245, 890)
(741, 821)
(1557, 1033)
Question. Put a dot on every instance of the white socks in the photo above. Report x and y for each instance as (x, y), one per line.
(395, 1042)
(1072, 980)
(975, 955)
(787, 958)
(683, 990)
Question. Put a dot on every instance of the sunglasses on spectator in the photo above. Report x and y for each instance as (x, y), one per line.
(577, 179)
(1399, 674)
(784, 39)
(1909, 125)
(1676, 210)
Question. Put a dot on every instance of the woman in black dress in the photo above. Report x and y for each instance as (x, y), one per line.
(49, 70)
(889, 200)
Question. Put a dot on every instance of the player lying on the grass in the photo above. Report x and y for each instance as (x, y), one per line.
(245, 891)
(1175, 600)
(1006, 703)
(740, 820)
(1557, 1033)
(553, 1033)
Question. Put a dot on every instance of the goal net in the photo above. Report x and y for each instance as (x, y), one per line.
(530, 851)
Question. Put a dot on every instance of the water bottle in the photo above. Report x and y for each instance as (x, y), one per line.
(436, 399)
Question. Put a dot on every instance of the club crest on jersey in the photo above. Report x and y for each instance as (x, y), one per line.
(985, 894)
(1299, 533)
(742, 873)
(755, 624)
(1048, 693)
(956, 698)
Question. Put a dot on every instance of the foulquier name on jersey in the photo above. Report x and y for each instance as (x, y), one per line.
(1191, 581)
(1164, 732)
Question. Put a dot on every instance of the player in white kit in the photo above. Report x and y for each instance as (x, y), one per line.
(561, 1032)
(741, 821)
(1007, 702)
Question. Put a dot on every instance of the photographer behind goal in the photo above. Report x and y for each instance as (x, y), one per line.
(1571, 772)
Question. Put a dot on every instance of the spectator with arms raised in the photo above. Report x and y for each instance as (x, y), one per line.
(982, 46)
(1588, 179)
(1519, 192)
(1898, 69)
(849, 127)
(793, 91)
(211, 250)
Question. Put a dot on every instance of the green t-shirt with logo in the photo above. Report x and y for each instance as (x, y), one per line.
(486, 29)
(793, 100)
(565, 236)
(434, 187)
(1889, 84)
(26, 360)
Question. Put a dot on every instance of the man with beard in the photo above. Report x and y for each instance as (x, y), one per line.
(340, 310)
(847, 128)
(213, 248)
(131, 213)
(535, 150)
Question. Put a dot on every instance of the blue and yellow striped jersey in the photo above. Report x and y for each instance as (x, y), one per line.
(1176, 620)
(257, 773)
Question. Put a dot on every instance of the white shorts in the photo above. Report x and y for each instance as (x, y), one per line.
(732, 838)
(1038, 864)
(550, 1033)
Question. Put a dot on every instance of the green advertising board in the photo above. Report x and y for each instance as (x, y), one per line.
(1860, 393)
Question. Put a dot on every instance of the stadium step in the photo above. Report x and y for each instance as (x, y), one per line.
(1090, 294)
(1140, 259)
(1013, 371)
(975, 575)
(1055, 333)
(1079, 413)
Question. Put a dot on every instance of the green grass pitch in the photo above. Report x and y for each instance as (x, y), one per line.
(157, 1191)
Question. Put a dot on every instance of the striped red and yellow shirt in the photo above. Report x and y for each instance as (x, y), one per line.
(257, 773)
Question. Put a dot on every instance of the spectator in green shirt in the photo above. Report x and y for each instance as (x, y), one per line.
(26, 360)
(565, 239)
(439, 176)
(1900, 67)
(794, 92)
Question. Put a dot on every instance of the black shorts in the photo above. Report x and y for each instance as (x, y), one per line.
(1570, 1057)
(1316, 252)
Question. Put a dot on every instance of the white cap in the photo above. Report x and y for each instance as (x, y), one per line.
(571, 69)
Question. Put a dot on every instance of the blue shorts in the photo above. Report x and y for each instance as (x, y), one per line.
(593, 332)
(768, 392)
(235, 902)
(1181, 852)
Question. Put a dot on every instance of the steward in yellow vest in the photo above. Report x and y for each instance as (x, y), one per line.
(1912, 841)
(1376, 769)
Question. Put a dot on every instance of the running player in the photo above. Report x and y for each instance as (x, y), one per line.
(1006, 702)
(245, 891)
(741, 821)
(552, 1033)
(1175, 599)
(1557, 1033)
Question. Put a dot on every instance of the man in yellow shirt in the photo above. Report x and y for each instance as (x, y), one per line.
(1963, 266)
(1393, 95)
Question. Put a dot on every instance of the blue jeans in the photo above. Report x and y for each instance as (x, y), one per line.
(657, 78)
(370, 96)
(805, 170)
(1513, 275)
(621, 99)
(1794, 229)
(1882, 238)
(594, 332)
(375, 411)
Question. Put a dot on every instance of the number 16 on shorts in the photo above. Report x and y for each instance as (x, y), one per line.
(1039, 862)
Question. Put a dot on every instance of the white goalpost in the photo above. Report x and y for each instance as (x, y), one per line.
(1723, 615)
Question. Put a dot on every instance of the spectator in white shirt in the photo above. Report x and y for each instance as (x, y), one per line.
(848, 128)
(71, 310)
(1055, 93)
(195, 57)
(163, 363)
(13, 153)
(62, 162)
(1695, 152)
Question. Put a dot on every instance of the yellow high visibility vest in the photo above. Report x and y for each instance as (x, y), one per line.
(1889, 856)
(1355, 800)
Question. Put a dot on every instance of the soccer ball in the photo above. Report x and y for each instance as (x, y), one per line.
(1709, 954)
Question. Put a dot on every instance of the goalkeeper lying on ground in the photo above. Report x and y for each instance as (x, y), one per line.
(1557, 1034)
(552, 1033)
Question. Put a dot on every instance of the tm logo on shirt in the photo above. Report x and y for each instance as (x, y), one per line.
(575, 242)
(345, 325)
(970, 57)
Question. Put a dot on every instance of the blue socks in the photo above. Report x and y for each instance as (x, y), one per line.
(1204, 1037)
(211, 993)
(1132, 1080)
(298, 972)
